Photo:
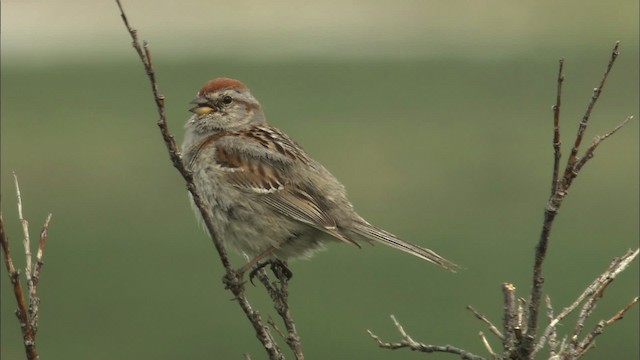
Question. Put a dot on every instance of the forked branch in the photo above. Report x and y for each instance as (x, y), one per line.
(560, 186)
(589, 297)
(408, 342)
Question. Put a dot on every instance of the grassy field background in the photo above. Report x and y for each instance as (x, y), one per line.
(452, 152)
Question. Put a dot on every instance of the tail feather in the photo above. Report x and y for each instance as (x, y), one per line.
(369, 231)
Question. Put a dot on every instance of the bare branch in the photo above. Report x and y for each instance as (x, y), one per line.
(408, 342)
(275, 327)
(28, 335)
(487, 346)
(588, 154)
(176, 158)
(232, 279)
(44, 234)
(30, 269)
(555, 200)
(595, 291)
(557, 154)
(553, 345)
(585, 119)
(589, 340)
(620, 314)
(484, 319)
(591, 294)
(25, 231)
(279, 293)
(34, 299)
(510, 321)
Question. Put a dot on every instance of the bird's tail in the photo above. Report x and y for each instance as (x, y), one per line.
(363, 228)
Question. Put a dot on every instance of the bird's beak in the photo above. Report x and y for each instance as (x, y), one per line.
(202, 106)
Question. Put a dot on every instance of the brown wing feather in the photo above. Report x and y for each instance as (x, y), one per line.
(258, 175)
(249, 173)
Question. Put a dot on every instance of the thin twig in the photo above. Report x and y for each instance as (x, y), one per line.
(557, 154)
(551, 210)
(174, 154)
(585, 118)
(232, 280)
(34, 299)
(620, 314)
(484, 319)
(44, 234)
(408, 342)
(25, 231)
(487, 346)
(595, 289)
(589, 340)
(275, 327)
(588, 154)
(28, 335)
(553, 344)
(279, 293)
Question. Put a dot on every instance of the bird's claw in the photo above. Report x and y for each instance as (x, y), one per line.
(278, 267)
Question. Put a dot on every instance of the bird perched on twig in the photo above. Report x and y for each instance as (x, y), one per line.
(267, 197)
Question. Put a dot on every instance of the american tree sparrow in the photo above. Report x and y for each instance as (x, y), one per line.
(268, 198)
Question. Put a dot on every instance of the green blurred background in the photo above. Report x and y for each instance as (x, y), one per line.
(435, 115)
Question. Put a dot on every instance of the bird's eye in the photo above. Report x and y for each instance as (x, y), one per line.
(227, 100)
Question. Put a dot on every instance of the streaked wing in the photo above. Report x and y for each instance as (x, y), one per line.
(300, 206)
(252, 169)
(248, 172)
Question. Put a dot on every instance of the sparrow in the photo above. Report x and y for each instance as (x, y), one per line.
(267, 197)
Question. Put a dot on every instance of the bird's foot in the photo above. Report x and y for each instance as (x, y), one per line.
(278, 267)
